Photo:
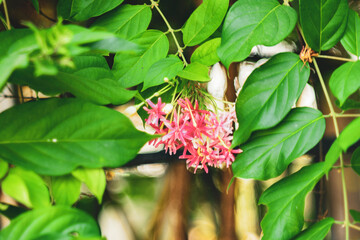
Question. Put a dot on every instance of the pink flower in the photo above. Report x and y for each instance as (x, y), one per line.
(206, 139)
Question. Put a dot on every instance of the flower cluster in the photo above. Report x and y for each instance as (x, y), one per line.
(204, 137)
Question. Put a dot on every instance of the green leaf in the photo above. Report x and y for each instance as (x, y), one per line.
(355, 215)
(26, 187)
(167, 67)
(332, 155)
(94, 179)
(318, 230)
(268, 94)
(323, 22)
(204, 21)
(350, 135)
(206, 52)
(131, 68)
(196, 72)
(350, 103)
(351, 38)
(285, 201)
(80, 10)
(45, 221)
(253, 22)
(4, 167)
(65, 189)
(268, 153)
(355, 161)
(35, 3)
(55, 136)
(345, 80)
(127, 21)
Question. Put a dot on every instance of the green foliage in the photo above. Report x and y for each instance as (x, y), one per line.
(126, 21)
(345, 81)
(26, 187)
(130, 68)
(196, 72)
(4, 167)
(65, 189)
(80, 10)
(206, 52)
(164, 68)
(94, 179)
(51, 223)
(351, 38)
(355, 161)
(204, 21)
(268, 153)
(268, 94)
(285, 201)
(318, 230)
(252, 22)
(323, 22)
(355, 215)
(53, 137)
(350, 135)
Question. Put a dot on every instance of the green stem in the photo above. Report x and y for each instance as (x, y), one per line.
(7, 16)
(336, 127)
(350, 115)
(355, 227)
(345, 166)
(336, 58)
(171, 30)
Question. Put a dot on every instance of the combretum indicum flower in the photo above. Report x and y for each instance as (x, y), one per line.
(204, 136)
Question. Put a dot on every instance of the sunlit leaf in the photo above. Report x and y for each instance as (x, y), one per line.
(350, 135)
(167, 67)
(355, 161)
(26, 187)
(40, 223)
(269, 93)
(94, 179)
(4, 167)
(268, 153)
(323, 22)
(204, 21)
(285, 201)
(196, 72)
(55, 136)
(80, 10)
(65, 189)
(126, 21)
(206, 52)
(253, 22)
(351, 38)
(318, 230)
(345, 80)
(130, 68)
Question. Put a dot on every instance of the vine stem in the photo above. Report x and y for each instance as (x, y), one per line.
(171, 30)
(336, 127)
(336, 58)
(350, 115)
(355, 227)
(7, 16)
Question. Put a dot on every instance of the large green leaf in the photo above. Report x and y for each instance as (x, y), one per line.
(350, 135)
(253, 22)
(323, 22)
(40, 223)
(206, 53)
(196, 72)
(80, 10)
(345, 80)
(4, 167)
(53, 137)
(131, 68)
(355, 161)
(316, 231)
(65, 189)
(167, 67)
(269, 93)
(285, 201)
(351, 38)
(26, 187)
(127, 20)
(355, 215)
(268, 153)
(94, 179)
(204, 21)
